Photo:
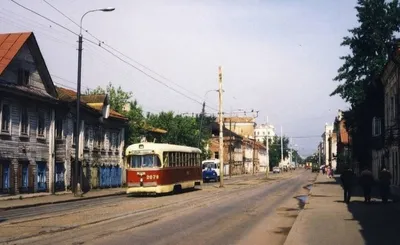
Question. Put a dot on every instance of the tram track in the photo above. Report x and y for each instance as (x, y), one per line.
(61, 209)
(142, 216)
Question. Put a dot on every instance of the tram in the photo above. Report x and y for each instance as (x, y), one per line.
(162, 168)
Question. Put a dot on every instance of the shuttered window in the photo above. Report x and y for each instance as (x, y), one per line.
(5, 118)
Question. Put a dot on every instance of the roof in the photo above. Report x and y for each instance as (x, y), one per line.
(10, 44)
(226, 132)
(69, 95)
(154, 130)
(239, 119)
(94, 98)
(161, 147)
(344, 135)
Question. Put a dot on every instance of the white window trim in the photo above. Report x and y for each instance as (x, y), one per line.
(44, 125)
(376, 120)
(20, 123)
(1, 118)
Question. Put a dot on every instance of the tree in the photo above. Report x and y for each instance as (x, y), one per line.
(370, 45)
(182, 130)
(275, 150)
(118, 99)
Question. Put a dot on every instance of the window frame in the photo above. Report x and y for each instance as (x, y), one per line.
(59, 128)
(376, 126)
(39, 114)
(23, 77)
(22, 110)
(2, 104)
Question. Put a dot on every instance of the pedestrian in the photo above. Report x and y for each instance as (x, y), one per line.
(366, 181)
(347, 178)
(384, 184)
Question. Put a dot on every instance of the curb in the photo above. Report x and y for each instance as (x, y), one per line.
(302, 210)
(62, 201)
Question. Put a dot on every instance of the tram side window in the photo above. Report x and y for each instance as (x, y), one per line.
(166, 159)
(172, 159)
(192, 159)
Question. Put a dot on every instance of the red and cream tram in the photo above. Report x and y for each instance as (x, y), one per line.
(162, 168)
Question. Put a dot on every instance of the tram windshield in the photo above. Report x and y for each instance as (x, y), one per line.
(144, 161)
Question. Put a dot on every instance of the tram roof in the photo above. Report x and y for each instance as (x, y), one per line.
(161, 147)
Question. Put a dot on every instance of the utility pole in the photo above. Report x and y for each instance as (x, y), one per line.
(230, 146)
(254, 143)
(267, 153)
(281, 146)
(221, 133)
(201, 123)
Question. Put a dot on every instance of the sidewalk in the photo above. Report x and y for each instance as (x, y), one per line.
(327, 220)
(37, 199)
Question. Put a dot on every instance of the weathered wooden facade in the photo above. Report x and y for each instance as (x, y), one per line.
(37, 127)
(101, 140)
(27, 111)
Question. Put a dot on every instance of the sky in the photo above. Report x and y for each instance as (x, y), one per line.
(278, 57)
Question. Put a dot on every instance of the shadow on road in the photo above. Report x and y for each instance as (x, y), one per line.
(379, 222)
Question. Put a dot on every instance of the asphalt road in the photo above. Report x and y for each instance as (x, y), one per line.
(235, 214)
(90, 203)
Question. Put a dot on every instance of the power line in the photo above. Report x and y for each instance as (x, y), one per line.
(119, 52)
(44, 17)
(152, 77)
(124, 61)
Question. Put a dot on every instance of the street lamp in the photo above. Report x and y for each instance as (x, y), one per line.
(78, 95)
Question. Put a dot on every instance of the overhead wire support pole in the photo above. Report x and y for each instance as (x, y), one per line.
(221, 133)
(254, 143)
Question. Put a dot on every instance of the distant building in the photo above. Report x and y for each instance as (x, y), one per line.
(243, 126)
(264, 130)
(329, 139)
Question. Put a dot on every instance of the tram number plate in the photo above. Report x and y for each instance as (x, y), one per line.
(154, 176)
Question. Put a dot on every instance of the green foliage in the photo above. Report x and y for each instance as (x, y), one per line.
(370, 44)
(275, 150)
(183, 130)
(119, 98)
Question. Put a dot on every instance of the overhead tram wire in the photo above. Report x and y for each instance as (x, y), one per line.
(100, 42)
(110, 52)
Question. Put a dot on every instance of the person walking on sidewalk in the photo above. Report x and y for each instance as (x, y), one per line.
(384, 184)
(347, 178)
(366, 181)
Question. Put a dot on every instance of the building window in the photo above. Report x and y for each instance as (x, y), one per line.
(59, 128)
(216, 155)
(5, 118)
(41, 121)
(24, 121)
(376, 126)
(86, 137)
(23, 77)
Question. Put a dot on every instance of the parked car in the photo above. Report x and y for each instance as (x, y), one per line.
(210, 174)
(276, 170)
